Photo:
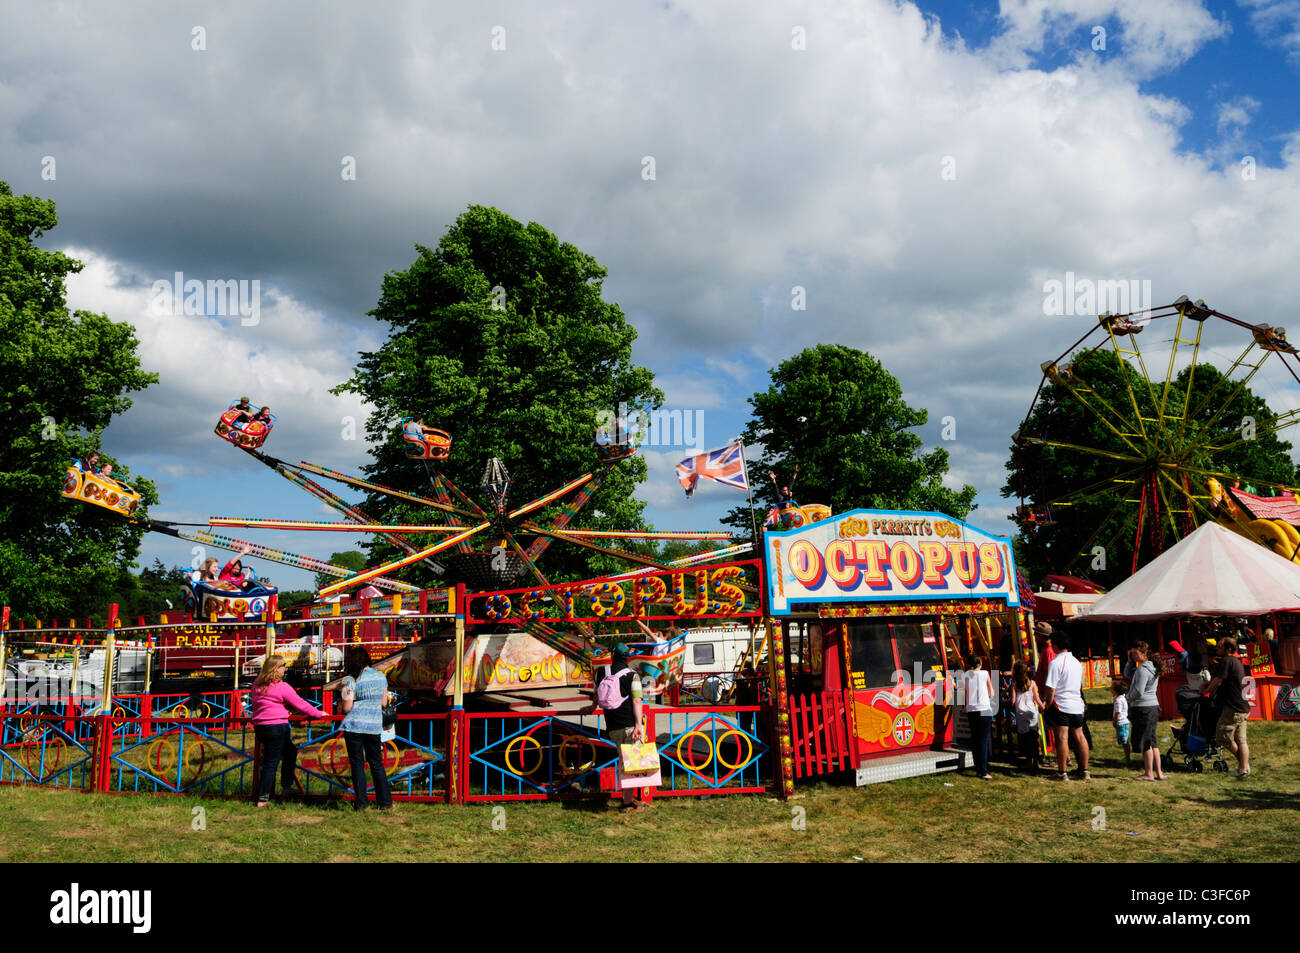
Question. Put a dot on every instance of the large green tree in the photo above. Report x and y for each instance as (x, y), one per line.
(352, 559)
(837, 414)
(501, 337)
(150, 592)
(1084, 458)
(63, 376)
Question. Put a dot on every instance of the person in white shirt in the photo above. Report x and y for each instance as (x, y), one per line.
(979, 714)
(1063, 695)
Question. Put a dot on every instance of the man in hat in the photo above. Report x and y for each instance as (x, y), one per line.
(1042, 636)
(623, 723)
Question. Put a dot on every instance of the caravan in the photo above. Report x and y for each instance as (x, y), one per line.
(713, 656)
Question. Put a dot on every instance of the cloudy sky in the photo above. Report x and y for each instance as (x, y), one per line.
(920, 171)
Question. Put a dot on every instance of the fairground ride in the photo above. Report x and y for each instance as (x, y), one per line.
(1153, 435)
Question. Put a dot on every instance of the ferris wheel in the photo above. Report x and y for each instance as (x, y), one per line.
(1152, 423)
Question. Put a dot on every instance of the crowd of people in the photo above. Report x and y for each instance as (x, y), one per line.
(1056, 696)
(1053, 697)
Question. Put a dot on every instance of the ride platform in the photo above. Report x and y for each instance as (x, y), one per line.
(911, 764)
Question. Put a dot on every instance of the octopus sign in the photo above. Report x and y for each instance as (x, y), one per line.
(883, 555)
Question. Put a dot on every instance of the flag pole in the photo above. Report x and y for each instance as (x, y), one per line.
(749, 488)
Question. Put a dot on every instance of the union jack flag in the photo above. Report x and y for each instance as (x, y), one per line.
(725, 466)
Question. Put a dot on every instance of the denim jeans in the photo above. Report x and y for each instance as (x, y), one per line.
(275, 743)
(363, 750)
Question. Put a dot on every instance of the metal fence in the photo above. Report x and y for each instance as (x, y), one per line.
(204, 745)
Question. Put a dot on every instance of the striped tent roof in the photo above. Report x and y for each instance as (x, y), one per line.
(1284, 507)
(1211, 572)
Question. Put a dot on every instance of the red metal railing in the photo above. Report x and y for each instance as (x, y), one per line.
(819, 730)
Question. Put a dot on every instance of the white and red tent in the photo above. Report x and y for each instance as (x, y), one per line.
(1211, 572)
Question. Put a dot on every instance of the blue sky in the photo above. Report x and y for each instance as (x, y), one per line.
(207, 139)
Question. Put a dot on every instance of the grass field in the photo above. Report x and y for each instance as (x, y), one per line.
(942, 818)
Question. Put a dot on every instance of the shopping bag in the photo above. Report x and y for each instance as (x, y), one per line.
(640, 758)
(626, 781)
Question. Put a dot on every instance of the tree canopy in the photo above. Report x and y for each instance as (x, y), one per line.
(148, 593)
(349, 559)
(1212, 425)
(837, 414)
(63, 377)
(500, 336)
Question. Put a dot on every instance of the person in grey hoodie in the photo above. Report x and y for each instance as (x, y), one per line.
(1144, 712)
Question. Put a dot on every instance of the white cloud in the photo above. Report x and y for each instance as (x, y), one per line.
(1278, 22)
(692, 391)
(1237, 112)
(288, 361)
(821, 168)
(1154, 34)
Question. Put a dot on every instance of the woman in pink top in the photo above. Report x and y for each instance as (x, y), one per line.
(272, 698)
(233, 571)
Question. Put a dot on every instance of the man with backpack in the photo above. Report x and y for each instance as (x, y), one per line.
(618, 694)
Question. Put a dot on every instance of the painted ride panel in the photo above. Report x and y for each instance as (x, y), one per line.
(249, 434)
(100, 490)
(425, 443)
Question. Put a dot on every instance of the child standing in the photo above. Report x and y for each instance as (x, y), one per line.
(1027, 705)
(1123, 727)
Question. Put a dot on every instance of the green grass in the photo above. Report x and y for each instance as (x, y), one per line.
(945, 817)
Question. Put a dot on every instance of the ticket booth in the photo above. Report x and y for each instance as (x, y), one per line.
(880, 612)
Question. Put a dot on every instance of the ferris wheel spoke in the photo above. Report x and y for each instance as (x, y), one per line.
(1097, 489)
(1107, 422)
(1279, 423)
(1195, 344)
(375, 487)
(1086, 548)
(400, 563)
(1222, 475)
(586, 544)
(440, 485)
(1212, 517)
(1193, 499)
(1168, 510)
(1093, 451)
(1226, 378)
(1136, 352)
(537, 574)
(568, 512)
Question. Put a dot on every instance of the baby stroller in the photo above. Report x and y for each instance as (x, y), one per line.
(1196, 740)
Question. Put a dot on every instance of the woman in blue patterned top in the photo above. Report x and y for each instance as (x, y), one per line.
(365, 693)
